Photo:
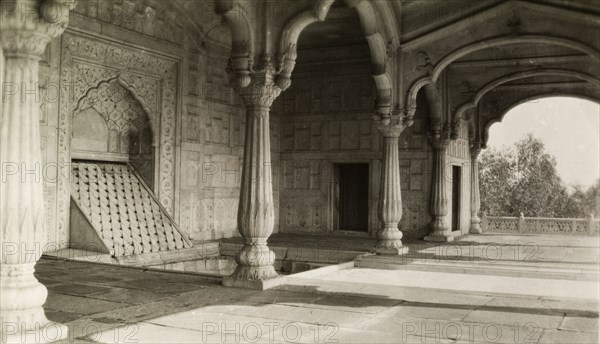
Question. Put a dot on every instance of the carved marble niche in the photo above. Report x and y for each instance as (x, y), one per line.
(109, 124)
(86, 62)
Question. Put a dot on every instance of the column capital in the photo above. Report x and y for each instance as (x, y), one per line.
(392, 124)
(440, 139)
(257, 86)
(28, 25)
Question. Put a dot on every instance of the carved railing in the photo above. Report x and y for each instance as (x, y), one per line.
(526, 225)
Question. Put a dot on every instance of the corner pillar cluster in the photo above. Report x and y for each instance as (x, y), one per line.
(440, 231)
(390, 196)
(258, 90)
(26, 28)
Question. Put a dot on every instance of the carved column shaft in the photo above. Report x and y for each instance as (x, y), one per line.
(475, 198)
(21, 194)
(256, 210)
(440, 231)
(390, 196)
(23, 38)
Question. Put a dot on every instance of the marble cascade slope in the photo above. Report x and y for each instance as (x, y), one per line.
(114, 212)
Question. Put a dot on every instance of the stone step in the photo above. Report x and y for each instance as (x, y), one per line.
(585, 272)
(200, 251)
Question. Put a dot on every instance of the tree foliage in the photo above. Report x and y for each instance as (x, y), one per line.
(523, 178)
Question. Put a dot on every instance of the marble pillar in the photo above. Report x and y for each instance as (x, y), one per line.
(256, 209)
(390, 195)
(475, 199)
(25, 30)
(440, 231)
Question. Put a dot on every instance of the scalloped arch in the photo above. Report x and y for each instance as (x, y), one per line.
(242, 35)
(521, 75)
(521, 101)
(490, 43)
(132, 91)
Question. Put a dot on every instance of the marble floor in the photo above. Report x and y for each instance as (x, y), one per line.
(111, 304)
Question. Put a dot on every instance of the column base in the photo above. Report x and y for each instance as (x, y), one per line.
(431, 238)
(392, 251)
(254, 277)
(48, 333)
(232, 282)
(475, 228)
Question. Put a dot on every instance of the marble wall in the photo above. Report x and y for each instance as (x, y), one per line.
(179, 81)
(327, 119)
(174, 77)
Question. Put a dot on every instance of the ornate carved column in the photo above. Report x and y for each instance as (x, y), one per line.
(25, 29)
(256, 212)
(440, 231)
(390, 195)
(475, 200)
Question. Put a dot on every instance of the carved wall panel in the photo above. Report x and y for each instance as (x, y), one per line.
(217, 88)
(317, 94)
(192, 124)
(413, 174)
(303, 211)
(212, 145)
(209, 213)
(192, 213)
(302, 175)
(459, 148)
(140, 16)
(221, 171)
(217, 128)
(238, 122)
(193, 79)
(414, 212)
(301, 136)
(354, 135)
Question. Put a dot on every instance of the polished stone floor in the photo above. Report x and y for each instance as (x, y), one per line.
(108, 304)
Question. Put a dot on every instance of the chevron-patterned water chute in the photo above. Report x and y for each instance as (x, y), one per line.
(123, 210)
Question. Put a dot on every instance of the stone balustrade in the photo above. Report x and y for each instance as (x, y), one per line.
(525, 225)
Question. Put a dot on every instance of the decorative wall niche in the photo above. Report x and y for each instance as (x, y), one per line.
(109, 124)
(150, 79)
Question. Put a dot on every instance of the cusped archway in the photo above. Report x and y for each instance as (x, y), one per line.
(110, 124)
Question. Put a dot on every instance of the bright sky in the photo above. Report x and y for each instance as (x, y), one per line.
(569, 128)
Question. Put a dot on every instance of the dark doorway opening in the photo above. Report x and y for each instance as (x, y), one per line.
(353, 197)
(456, 187)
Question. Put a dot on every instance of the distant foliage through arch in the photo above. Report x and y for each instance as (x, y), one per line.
(523, 178)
